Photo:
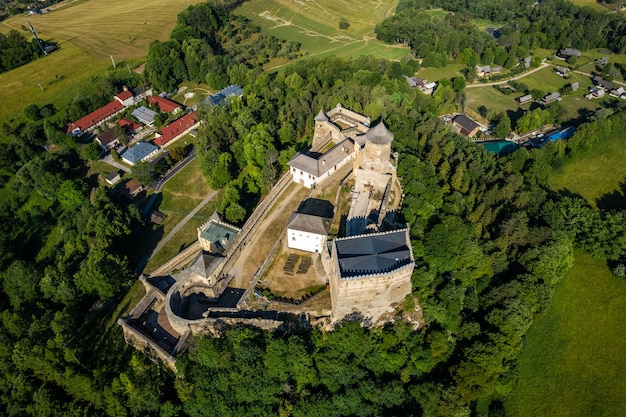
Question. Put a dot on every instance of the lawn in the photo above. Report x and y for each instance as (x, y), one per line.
(586, 174)
(591, 3)
(573, 363)
(316, 26)
(87, 33)
(436, 74)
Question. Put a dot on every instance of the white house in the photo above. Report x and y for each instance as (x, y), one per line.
(309, 170)
(307, 232)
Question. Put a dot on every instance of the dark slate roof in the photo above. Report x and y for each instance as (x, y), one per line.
(318, 166)
(465, 122)
(321, 117)
(309, 223)
(205, 264)
(373, 254)
(379, 134)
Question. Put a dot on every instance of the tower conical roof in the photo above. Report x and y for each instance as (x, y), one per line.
(321, 117)
(379, 134)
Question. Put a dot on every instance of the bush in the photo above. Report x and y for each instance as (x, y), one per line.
(343, 24)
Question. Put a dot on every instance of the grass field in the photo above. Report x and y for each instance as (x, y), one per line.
(87, 33)
(436, 74)
(591, 3)
(316, 25)
(586, 174)
(573, 363)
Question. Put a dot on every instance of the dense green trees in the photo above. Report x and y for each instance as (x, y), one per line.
(15, 50)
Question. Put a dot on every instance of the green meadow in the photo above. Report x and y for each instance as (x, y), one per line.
(573, 362)
(315, 25)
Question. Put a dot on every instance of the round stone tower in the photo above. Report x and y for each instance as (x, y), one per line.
(377, 150)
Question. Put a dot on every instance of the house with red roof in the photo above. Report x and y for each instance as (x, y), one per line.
(176, 129)
(129, 126)
(165, 105)
(99, 116)
(126, 98)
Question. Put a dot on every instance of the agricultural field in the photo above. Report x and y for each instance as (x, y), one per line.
(316, 25)
(87, 33)
(573, 361)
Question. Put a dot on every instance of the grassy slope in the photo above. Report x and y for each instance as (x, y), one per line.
(315, 25)
(573, 363)
(87, 33)
(589, 176)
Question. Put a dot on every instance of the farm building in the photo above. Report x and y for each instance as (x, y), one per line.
(524, 99)
(465, 126)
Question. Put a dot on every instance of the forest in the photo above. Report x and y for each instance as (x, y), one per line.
(15, 50)
(552, 24)
(490, 241)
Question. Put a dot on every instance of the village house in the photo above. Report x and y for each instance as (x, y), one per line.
(421, 84)
(140, 152)
(552, 97)
(602, 83)
(144, 115)
(483, 71)
(602, 61)
(568, 53)
(165, 105)
(617, 92)
(524, 99)
(562, 71)
(527, 61)
(574, 86)
(465, 126)
(131, 189)
(595, 93)
(176, 129)
(107, 139)
(126, 98)
(142, 93)
(308, 232)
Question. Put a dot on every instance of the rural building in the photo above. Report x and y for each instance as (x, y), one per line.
(95, 118)
(562, 71)
(465, 126)
(574, 86)
(309, 169)
(372, 273)
(113, 178)
(176, 129)
(107, 139)
(165, 105)
(595, 93)
(568, 53)
(602, 61)
(131, 189)
(142, 93)
(602, 83)
(308, 232)
(496, 70)
(483, 71)
(156, 217)
(126, 98)
(215, 235)
(552, 97)
(144, 115)
(140, 152)
(421, 84)
(527, 61)
(617, 92)
(222, 95)
(524, 99)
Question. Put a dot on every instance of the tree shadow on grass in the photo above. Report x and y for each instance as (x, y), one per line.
(615, 200)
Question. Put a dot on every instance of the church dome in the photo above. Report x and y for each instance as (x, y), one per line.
(379, 134)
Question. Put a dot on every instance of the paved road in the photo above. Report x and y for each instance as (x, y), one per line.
(109, 160)
(184, 221)
(542, 66)
(177, 168)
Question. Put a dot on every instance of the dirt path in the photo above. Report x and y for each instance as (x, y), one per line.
(266, 234)
(517, 77)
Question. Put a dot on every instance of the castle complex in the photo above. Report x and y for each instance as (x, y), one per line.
(368, 270)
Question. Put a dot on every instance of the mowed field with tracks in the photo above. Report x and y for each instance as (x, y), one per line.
(315, 24)
(87, 33)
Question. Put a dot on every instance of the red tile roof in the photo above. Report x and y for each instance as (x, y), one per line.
(128, 125)
(97, 116)
(124, 95)
(175, 129)
(164, 104)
